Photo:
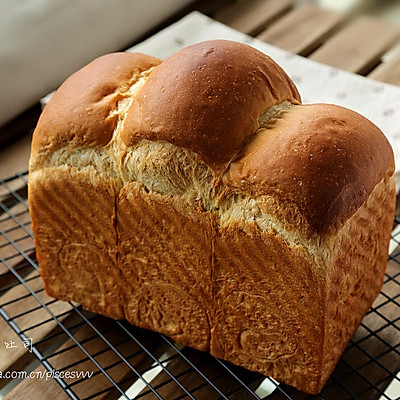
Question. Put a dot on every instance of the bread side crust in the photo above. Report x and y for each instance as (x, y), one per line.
(212, 196)
(357, 256)
(73, 220)
(164, 257)
(269, 314)
(149, 246)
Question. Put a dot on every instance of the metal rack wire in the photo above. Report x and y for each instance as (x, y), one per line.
(126, 362)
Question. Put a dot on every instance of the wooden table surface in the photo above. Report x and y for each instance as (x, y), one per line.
(358, 44)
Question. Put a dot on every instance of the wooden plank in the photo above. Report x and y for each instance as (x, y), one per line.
(15, 157)
(388, 71)
(23, 267)
(31, 389)
(252, 16)
(71, 358)
(14, 239)
(35, 388)
(198, 386)
(14, 222)
(9, 360)
(303, 29)
(358, 47)
(18, 356)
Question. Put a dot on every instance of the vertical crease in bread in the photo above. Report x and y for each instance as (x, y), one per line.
(115, 147)
(106, 160)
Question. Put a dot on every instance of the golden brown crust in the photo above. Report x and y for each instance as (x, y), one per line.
(208, 98)
(79, 113)
(249, 297)
(358, 263)
(269, 262)
(264, 286)
(269, 313)
(166, 257)
(323, 158)
(73, 225)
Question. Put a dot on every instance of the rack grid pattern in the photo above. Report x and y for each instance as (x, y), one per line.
(130, 363)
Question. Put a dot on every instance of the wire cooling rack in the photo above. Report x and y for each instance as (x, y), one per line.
(90, 356)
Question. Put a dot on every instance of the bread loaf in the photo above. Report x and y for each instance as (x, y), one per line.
(197, 197)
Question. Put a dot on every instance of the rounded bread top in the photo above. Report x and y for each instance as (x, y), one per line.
(79, 113)
(208, 98)
(323, 158)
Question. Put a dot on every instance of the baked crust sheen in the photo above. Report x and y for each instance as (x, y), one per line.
(80, 112)
(208, 98)
(198, 198)
(313, 156)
